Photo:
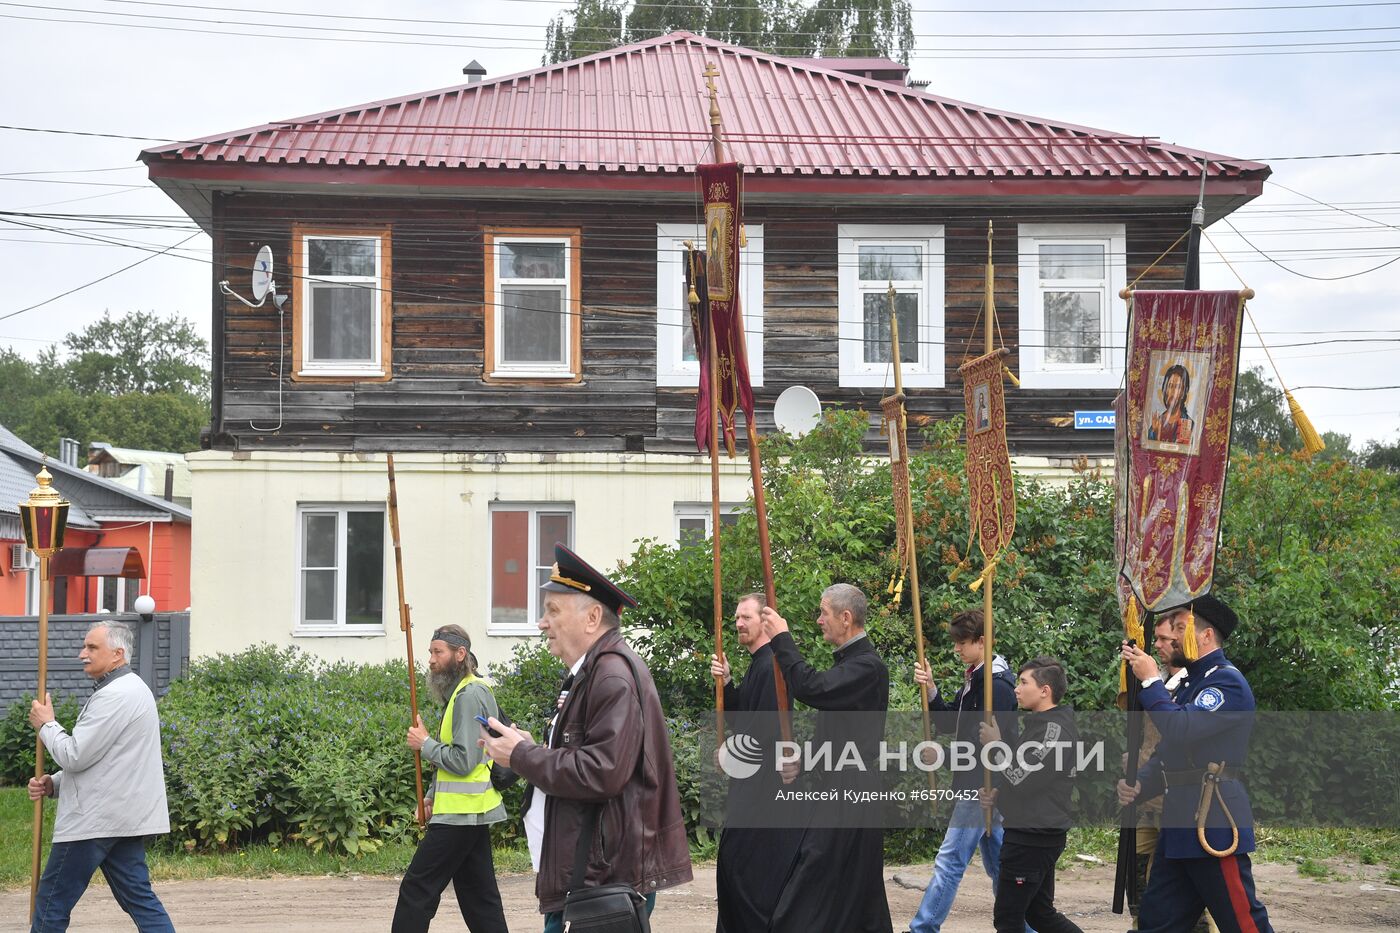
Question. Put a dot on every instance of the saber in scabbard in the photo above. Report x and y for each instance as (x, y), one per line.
(406, 623)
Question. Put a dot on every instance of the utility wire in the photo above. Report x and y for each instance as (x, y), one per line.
(927, 52)
(609, 31)
(6, 317)
(1280, 49)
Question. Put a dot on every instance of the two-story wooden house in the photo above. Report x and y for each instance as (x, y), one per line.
(487, 281)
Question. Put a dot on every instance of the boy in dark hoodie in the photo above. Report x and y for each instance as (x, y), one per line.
(1033, 794)
(966, 832)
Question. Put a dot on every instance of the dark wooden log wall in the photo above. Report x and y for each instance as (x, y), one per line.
(437, 399)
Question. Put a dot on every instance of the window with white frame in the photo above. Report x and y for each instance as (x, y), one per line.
(341, 320)
(522, 558)
(117, 594)
(676, 361)
(871, 258)
(340, 573)
(695, 521)
(1072, 322)
(533, 323)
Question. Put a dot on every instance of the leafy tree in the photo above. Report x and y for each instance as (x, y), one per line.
(138, 352)
(1308, 557)
(135, 381)
(1261, 418)
(1380, 456)
(591, 26)
(827, 28)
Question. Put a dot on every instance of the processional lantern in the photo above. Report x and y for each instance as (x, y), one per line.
(44, 517)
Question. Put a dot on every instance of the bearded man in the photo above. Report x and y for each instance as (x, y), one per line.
(461, 803)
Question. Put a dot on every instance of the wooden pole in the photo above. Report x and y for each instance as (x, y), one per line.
(755, 458)
(717, 587)
(37, 855)
(913, 552)
(406, 624)
(989, 299)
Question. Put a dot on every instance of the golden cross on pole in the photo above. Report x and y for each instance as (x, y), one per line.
(711, 72)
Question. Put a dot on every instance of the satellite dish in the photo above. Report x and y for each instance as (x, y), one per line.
(797, 410)
(262, 273)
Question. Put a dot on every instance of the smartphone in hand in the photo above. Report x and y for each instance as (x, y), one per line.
(486, 724)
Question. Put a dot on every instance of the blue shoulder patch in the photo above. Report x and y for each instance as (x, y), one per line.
(1210, 699)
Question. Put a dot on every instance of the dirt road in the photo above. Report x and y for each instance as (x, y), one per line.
(1363, 903)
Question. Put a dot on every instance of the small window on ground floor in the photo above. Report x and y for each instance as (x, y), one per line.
(522, 557)
(695, 521)
(341, 567)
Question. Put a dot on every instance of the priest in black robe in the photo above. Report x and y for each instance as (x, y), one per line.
(837, 882)
(752, 859)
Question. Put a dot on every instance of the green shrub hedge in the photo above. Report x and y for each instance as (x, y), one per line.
(271, 744)
(17, 737)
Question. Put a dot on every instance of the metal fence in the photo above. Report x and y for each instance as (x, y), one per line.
(162, 653)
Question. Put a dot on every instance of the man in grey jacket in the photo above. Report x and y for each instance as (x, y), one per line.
(111, 789)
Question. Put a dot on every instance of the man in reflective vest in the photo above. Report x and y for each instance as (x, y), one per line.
(461, 805)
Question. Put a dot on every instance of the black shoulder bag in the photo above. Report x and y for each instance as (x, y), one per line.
(607, 908)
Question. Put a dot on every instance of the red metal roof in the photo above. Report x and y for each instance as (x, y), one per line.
(642, 108)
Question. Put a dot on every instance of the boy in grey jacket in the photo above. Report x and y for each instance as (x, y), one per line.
(111, 789)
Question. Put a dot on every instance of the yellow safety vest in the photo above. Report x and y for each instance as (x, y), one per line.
(463, 793)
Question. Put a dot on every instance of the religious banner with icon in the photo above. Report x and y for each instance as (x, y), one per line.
(991, 492)
(722, 186)
(1183, 358)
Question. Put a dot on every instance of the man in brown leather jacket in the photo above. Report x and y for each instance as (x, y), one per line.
(607, 747)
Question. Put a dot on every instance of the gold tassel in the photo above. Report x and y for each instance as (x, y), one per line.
(896, 586)
(963, 564)
(1188, 637)
(1012, 376)
(1312, 442)
(1133, 630)
(987, 573)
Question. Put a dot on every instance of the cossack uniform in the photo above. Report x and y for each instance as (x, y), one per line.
(1202, 858)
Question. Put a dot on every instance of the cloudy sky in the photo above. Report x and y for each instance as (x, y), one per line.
(1285, 85)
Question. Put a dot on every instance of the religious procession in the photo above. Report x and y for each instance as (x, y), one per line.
(960, 557)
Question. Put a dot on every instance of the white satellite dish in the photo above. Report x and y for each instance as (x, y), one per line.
(262, 273)
(263, 285)
(797, 410)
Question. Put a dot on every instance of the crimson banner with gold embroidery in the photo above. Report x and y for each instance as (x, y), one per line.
(991, 493)
(1183, 358)
(722, 187)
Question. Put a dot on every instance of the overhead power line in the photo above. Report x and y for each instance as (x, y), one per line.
(6, 317)
(926, 53)
(305, 14)
(1077, 55)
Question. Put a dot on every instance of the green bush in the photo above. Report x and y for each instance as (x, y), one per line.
(269, 743)
(17, 737)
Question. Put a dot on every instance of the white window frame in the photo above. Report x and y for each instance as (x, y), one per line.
(673, 322)
(700, 510)
(565, 367)
(31, 591)
(532, 608)
(1035, 372)
(123, 585)
(854, 371)
(374, 366)
(339, 628)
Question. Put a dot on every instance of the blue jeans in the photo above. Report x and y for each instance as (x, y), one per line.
(123, 863)
(966, 834)
(554, 923)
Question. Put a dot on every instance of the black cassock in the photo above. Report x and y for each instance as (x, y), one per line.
(837, 883)
(753, 861)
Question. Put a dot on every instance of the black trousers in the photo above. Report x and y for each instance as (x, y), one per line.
(461, 855)
(1026, 890)
(1180, 888)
